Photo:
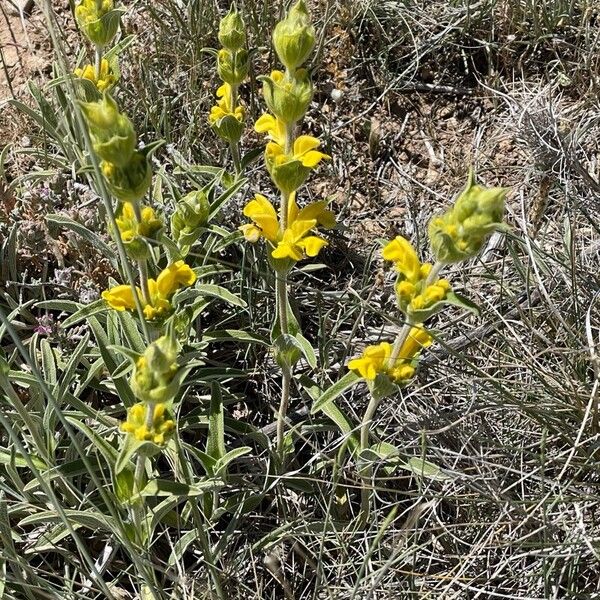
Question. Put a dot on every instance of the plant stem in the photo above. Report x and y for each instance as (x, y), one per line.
(138, 513)
(282, 307)
(143, 271)
(286, 380)
(235, 146)
(98, 62)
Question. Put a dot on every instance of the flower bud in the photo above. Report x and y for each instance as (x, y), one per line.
(294, 37)
(129, 183)
(99, 22)
(229, 128)
(288, 175)
(112, 134)
(231, 31)
(232, 66)
(460, 232)
(191, 213)
(288, 98)
(153, 378)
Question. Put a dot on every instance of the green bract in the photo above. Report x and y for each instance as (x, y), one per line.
(112, 134)
(232, 66)
(153, 378)
(294, 37)
(129, 183)
(288, 97)
(191, 213)
(231, 31)
(99, 21)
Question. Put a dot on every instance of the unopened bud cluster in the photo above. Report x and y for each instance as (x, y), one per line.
(459, 233)
(227, 116)
(126, 170)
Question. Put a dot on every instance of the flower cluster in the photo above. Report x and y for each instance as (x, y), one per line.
(415, 289)
(296, 241)
(459, 233)
(227, 116)
(126, 170)
(288, 167)
(161, 290)
(99, 22)
(154, 372)
(104, 80)
(156, 429)
(135, 229)
(289, 159)
(378, 360)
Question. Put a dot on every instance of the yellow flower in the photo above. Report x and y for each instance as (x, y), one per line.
(223, 107)
(265, 223)
(159, 305)
(161, 289)
(295, 242)
(120, 297)
(105, 81)
(372, 362)
(173, 277)
(273, 127)
(411, 290)
(161, 425)
(90, 14)
(375, 360)
(304, 151)
(288, 170)
(405, 259)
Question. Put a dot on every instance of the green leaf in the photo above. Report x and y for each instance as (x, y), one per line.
(216, 291)
(124, 484)
(218, 203)
(423, 468)
(167, 487)
(459, 300)
(336, 390)
(287, 351)
(215, 443)
(83, 312)
(130, 447)
(234, 335)
(223, 462)
(307, 350)
(91, 237)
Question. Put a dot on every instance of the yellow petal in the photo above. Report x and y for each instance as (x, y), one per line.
(318, 211)
(264, 215)
(120, 297)
(313, 158)
(417, 339)
(404, 256)
(305, 143)
(292, 208)
(251, 232)
(265, 123)
(312, 245)
(287, 250)
(173, 277)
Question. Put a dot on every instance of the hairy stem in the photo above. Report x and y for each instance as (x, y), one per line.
(98, 61)
(282, 305)
(286, 380)
(235, 146)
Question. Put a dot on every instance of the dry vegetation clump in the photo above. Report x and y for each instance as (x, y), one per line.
(493, 492)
